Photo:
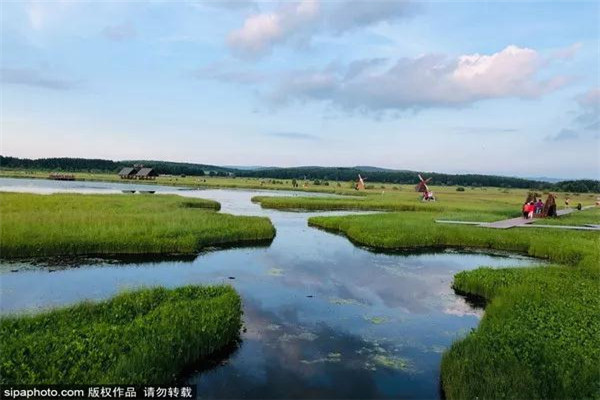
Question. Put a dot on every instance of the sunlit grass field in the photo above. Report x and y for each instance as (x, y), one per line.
(33, 225)
(140, 337)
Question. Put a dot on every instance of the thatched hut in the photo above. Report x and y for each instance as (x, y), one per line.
(549, 206)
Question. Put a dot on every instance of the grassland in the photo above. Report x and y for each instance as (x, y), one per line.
(34, 225)
(576, 218)
(540, 336)
(476, 204)
(140, 337)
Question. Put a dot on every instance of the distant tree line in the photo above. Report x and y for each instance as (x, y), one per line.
(312, 174)
(109, 166)
(579, 186)
(399, 177)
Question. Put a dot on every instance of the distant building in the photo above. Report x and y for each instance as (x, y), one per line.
(146, 173)
(127, 173)
(137, 172)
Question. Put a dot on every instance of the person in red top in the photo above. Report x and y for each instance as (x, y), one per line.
(525, 210)
(530, 210)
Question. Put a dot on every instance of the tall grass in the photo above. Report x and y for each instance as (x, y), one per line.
(540, 336)
(72, 224)
(144, 336)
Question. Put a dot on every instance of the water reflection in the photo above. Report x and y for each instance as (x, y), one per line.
(323, 318)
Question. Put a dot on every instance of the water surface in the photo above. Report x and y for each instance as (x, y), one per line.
(323, 318)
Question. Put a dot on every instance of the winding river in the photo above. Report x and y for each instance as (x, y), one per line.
(322, 317)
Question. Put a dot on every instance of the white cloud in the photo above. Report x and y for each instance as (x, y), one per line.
(426, 81)
(302, 19)
(261, 31)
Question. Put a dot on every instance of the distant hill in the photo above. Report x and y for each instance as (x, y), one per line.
(372, 174)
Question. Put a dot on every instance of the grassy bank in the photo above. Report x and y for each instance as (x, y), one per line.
(200, 182)
(146, 336)
(540, 336)
(411, 230)
(72, 224)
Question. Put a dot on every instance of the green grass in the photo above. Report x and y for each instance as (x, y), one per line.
(331, 203)
(412, 230)
(540, 336)
(589, 216)
(140, 337)
(483, 205)
(73, 224)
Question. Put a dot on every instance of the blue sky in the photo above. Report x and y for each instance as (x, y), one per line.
(508, 88)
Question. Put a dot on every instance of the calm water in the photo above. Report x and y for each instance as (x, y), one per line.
(323, 318)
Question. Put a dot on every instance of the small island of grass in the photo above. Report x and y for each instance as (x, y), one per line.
(35, 225)
(148, 335)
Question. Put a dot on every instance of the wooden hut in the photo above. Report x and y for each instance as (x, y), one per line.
(146, 173)
(128, 173)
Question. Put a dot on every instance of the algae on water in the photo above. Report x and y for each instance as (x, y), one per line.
(275, 272)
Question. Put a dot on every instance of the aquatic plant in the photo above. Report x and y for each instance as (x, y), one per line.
(147, 335)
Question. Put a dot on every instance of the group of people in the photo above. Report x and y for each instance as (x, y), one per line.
(531, 208)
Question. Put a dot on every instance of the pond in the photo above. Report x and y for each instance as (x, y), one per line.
(322, 317)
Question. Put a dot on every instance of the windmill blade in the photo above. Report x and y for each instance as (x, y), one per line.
(427, 180)
(420, 177)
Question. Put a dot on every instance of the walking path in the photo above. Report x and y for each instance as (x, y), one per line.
(522, 222)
